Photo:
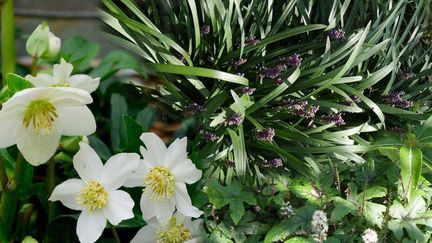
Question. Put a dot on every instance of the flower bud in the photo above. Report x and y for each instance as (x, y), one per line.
(43, 43)
(54, 46)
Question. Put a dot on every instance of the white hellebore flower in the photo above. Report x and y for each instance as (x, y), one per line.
(180, 229)
(62, 78)
(164, 173)
(34, 119)
(96, 192)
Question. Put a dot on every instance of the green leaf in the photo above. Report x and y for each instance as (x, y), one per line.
(146, 117)
(62, 229)
(199, 72)
(115, 61)
(133, 133)
(236, 210)
(299, 239)
(239, 147)
(117, 131)
(99, 146)
(411, 161)
(16, 83)
(79, 52)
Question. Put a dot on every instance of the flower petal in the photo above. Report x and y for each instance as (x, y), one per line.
(9, 121)
(37, 148)
(87, 163)
(66, 193)
(162, 210)
(90, 226)
(184, 203)
(119, 207)
(136, 178)
(186, 172)
(62, 72)
(67, 96)
(117, 168)
(155, 148)
(84, 82)
(41, 80)
(76, 120)
(176, 152)
(58, 96)
(146, 234)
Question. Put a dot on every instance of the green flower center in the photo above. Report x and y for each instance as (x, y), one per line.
(61, 84)
(41, 114)
(161, 182)
(92, 196)
(176, 233)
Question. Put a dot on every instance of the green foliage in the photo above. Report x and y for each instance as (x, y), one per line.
(232, 195)
(203, 53)
(16, 83)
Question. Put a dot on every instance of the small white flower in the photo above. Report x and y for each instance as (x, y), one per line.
(370, 236)
(164, 173)
(62, 78)
(319, 226)
(179, 229)
(96, 192)
(34, 119)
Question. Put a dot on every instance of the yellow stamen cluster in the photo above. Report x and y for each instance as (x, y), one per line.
(92, 196)
(161, 182)
(175, 233)
(41, 114)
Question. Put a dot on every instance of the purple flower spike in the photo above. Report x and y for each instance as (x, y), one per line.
(405, 76)
(210, 137)
(239, 62)
(336, 34)
(205, 30)
(266, 134)
(193, 108)
(302, 108)
(234, 120)
(395, 100)
(271, 72)
(248, 90)
(276, 163)
(335, 118)
(251, 40)
(294, 60)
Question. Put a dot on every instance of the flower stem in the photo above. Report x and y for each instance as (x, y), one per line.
(7, 37)
(8, 203)
(33, 70)
(3, 176)
(3, 235)
(114, 231)
(50, 184)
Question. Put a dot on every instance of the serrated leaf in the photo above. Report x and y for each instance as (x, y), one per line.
(411, 161)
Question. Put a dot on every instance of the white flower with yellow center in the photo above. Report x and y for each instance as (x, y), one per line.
(179, 229)
(96, 192)
(164, 172)
(62, 78)
(34, 119)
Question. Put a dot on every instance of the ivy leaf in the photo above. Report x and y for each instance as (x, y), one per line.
(359, 204)
(233, 195)
(409, 217)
